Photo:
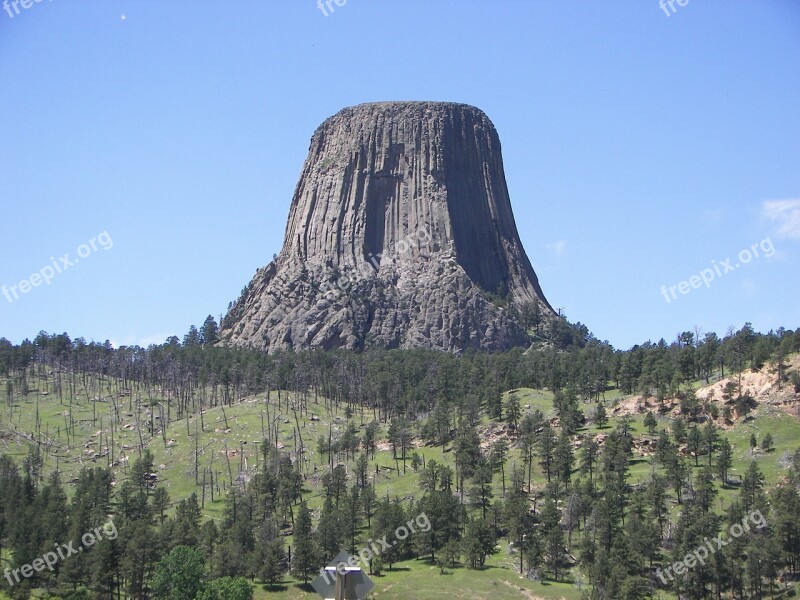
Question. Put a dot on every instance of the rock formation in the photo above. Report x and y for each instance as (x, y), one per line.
(400, 235)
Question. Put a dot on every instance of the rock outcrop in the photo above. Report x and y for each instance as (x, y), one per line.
(400, 235)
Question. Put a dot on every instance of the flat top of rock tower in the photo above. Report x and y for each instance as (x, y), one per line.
(404, 107)
(412, 103)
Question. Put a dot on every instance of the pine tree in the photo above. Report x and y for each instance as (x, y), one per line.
(446, 515)
(141, 470)
(724, 460)
(330, 533)
(370, 438)
(710, 439)
(554, 551)
(209, 331)
(275, 561)
(389, 516)
(516, 514)
(752, 486)
(482, 491)
(498, 457)
(704, 490)
(305, 556)
(566, 406)
(512, 410)
(679, 430)
(589, 458)
(467, 453)
(547, 447)
(479, 541)
(650, 422)
(563, 459)
(160, 503)
(139, 555)
(600, 416)
(694, 443)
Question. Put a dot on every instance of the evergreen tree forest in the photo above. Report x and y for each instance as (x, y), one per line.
(560, 502)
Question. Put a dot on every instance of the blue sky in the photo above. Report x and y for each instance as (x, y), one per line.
(639, 148)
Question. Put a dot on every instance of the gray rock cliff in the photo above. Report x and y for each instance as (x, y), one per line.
(400, 235)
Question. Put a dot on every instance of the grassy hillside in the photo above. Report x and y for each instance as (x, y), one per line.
(73, 432)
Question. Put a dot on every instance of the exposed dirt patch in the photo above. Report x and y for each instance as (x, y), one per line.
(633, 406)
(757, 384)
(493, 432)
(762, 385)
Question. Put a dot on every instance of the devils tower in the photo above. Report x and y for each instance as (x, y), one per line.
(400, 235)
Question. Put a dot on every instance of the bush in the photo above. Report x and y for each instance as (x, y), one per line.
(180, 574)
(227, 588)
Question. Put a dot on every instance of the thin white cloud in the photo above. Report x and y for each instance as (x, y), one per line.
(558, 247)
(786, 214)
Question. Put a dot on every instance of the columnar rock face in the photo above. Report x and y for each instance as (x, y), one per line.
(400, 235)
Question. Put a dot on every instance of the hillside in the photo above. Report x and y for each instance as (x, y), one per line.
(220, 446)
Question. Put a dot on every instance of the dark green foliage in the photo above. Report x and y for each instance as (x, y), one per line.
(498, 458)
(446, 515)
(617, 529)
(305, 553)
(724, 459)
(400, 437)
(547, 449)
(268, 560)
(710, 439)
(679, 430)
(600, 416)
(567, 408)
(479, 542)
(467, 447)
(482, 487)
(209, 331)
(752, 487)
(563, 459)
(512, 410)
(650, 422)
(227, 588)
(694, 443)
(180, 575)
(389, 516)
(331, 530)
